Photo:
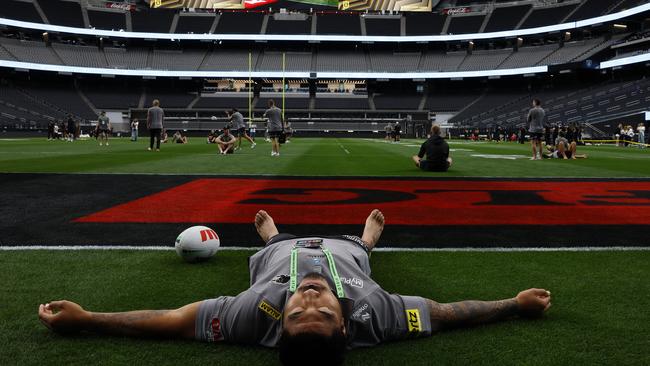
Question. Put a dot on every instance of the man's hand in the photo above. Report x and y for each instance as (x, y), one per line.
(533, 302)
(63, 316)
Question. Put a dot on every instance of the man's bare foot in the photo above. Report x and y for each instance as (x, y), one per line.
(265, 225)
(374, 227)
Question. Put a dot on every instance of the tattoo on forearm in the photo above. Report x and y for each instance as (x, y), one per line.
(135, 323)
(470, 312)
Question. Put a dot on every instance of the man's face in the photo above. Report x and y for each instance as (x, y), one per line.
(313, 308)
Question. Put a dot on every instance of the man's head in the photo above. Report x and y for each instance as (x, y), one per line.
(156, 103)
(234, 110)
(435, 130)
(271, 103)
(313, 325)
(226, 130)
(537, 102)
(103, 113)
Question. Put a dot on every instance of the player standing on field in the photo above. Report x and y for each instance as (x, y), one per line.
(155, 117)
(536, 128)
(275, 126)
(103, 128)
(237, 119)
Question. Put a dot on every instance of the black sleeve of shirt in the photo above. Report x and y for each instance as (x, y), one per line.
(423, 149)
(446, 151)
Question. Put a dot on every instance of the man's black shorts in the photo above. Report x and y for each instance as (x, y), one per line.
(431, 167)
(241, 132)
(537, 136)
(275, 134)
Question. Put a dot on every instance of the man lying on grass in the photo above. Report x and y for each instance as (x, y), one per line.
(312, 297)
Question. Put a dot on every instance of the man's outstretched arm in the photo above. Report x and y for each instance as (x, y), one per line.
(68, 317)
(529, 303)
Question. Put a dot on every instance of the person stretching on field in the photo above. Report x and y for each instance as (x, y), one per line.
(237, 120)
(311, 297)
(536, 128)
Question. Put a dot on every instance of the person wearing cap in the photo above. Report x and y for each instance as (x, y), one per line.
(311, 297)
(226, 142)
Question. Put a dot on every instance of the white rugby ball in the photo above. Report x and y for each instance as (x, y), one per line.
(197, 243)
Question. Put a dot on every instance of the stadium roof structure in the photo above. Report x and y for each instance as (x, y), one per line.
(329, 38)
(531, 70)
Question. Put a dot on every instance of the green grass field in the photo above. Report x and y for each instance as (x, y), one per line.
(601, 299)
(599, 314)
(312, 157)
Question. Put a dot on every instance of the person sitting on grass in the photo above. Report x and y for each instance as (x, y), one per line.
(164, 137)
(226, 142)
(212, 137)
(436, 150)
(299, 303)
(179, 138)
(563, 149)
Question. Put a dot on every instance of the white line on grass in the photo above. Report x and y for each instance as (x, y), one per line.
(385, 249)
(341, 145)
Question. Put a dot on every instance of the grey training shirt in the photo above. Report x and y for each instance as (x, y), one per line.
(274, 114)
(103, 122)
(536, 120)
(156, 115)
(255, 315)
(237, 120)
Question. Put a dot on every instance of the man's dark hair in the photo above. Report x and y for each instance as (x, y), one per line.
(312, 349)
(537, 101)
(271, 103)
(235, 110)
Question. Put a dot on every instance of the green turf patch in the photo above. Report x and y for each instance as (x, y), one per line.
(313, 157)
(599, 313)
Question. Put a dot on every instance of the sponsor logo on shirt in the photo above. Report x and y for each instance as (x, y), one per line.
(214, 334)
(355, 282)
(269, 310)
(413, 320)
(361, 313)
(280, 279)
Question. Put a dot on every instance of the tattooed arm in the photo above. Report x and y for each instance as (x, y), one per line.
(68, 317)
(531, 303)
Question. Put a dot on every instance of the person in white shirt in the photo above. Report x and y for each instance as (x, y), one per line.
(640, 128)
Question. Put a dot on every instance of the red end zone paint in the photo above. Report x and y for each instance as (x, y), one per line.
(403, 202)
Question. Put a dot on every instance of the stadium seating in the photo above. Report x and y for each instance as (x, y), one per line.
(20, 10)
(506, 18)
(383, 27)
(223, 101)
(30, 51)
(341, 61)
(394, 62)
(338, 24)
(542, 16)
(159, 21)
(294, 61)
(197, 24)
(240, 23)
(113, 94)
(288, 26)
(465, 24)
(563, 106)
(88, 56)
(418, 24)
(397, 102)
(228, 60)
(484, 60)
(341, 102)
(62, 12)
(101, 19)
(589, 9)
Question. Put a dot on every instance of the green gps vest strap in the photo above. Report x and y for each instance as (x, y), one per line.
(293, 272)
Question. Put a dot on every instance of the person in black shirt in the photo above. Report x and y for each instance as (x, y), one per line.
(397, 132)
(436, 150)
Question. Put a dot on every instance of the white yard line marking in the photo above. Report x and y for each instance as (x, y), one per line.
(342, 147)
(384, 249)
